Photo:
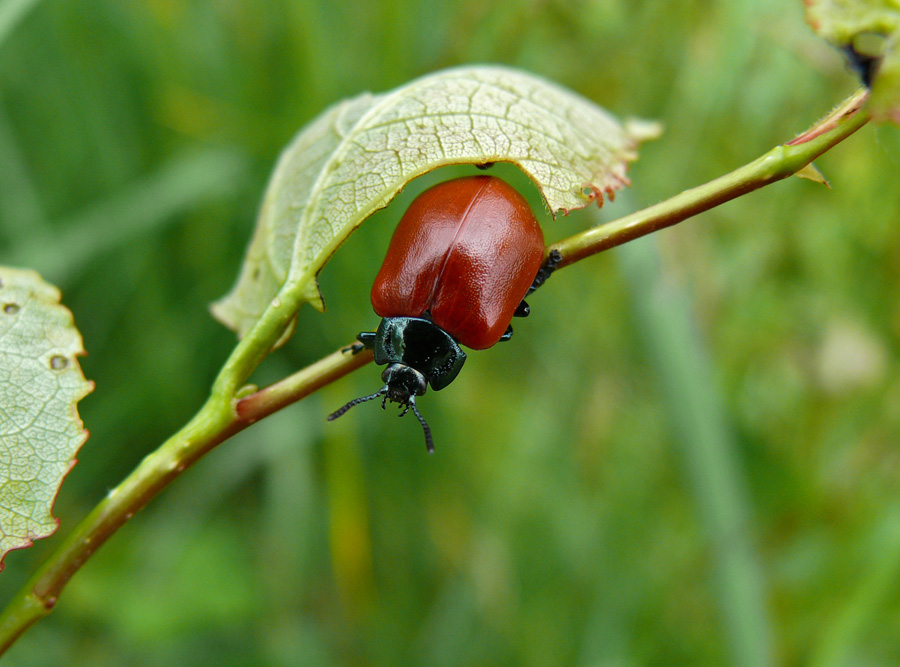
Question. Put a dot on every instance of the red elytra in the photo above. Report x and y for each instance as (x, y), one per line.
(466, 251)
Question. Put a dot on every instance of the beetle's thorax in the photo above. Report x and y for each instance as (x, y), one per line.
(429, 355)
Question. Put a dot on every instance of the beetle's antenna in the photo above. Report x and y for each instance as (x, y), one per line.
(429, 443)
(356, 401)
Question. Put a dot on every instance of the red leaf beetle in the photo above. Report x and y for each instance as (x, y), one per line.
(461, 260)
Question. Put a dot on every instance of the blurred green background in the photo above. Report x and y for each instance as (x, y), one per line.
(688, 454)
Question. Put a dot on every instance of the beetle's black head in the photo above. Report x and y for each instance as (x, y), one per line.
(402, 384)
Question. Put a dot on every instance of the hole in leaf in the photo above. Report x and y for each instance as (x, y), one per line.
(11, 308)
(58, 362)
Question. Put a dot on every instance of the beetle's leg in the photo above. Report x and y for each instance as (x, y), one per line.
(367, 338)
(523, 309)
(484, 166)
(366, 342)
(548, 267)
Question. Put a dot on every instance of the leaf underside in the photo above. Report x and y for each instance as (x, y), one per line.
(355, 157)
(40, 384)
(852, 25)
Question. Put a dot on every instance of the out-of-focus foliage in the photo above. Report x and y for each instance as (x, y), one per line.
(568, 516)
(869, 32)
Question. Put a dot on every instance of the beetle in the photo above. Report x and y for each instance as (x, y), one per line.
(460, 262)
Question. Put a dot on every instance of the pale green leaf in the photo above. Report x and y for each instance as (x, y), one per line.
(868, 29)
(811, 172)
(40, 384)
(355, 157)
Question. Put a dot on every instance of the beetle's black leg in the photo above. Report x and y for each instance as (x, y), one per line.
(484, 166)
(548, 267)
(367, 338)
(366, 342)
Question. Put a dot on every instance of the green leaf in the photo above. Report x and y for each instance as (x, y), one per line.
(40, 384)
(811, 173)
(354, 158)
(868, 30)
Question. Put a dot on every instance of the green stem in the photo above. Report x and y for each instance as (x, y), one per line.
(211, 425)
(258, 342)
(300, 385)
(779, 163)
(223, 415)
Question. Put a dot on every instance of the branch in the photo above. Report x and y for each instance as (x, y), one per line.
(216, 421)
(229, 410)
(779, 163)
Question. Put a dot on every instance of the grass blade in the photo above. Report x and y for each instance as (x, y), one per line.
(179, 185)
(11, 13)
(708, 448)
